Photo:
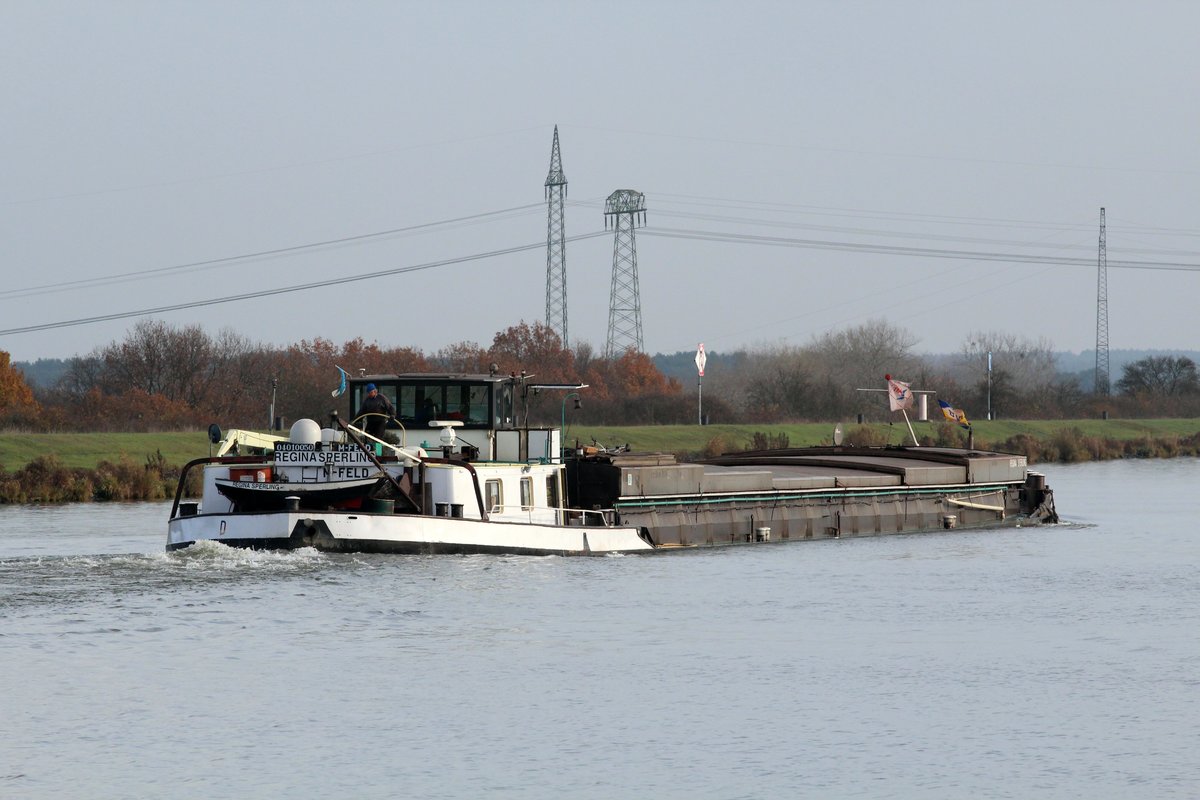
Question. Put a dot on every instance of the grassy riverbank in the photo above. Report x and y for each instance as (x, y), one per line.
(50, 468)
(994, 434)
(56, 467)
(88, 450)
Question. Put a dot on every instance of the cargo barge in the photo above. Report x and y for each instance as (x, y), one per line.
(812, 493)
(488, 484)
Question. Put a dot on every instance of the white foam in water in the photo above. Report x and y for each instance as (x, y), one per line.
(205, 555)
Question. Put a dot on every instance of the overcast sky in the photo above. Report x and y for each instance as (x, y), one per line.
(880, 147)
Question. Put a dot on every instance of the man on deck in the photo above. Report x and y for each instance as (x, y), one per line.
(380, 410)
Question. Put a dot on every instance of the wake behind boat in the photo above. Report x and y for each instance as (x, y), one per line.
(492, 486)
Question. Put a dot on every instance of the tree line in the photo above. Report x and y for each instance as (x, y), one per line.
(165, 377)
(1001, 374)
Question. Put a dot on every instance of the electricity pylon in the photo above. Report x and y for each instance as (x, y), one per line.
(1102, 374)
(556, 245)
(626, 209)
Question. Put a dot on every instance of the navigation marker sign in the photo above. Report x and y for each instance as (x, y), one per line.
(701, 359)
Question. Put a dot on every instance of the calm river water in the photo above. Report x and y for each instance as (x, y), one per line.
(1059, 662)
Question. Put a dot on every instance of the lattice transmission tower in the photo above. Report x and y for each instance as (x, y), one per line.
(1102, 374)
(556, 245)
(626, 210)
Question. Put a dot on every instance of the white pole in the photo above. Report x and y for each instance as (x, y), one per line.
(700, 398)
(910, 428)
(989, 403)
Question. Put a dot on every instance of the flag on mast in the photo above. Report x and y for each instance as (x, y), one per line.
(954, 414)
(341, 388)
(899, 396)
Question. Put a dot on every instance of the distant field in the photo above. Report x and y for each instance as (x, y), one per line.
(88, 449)
(692, 438)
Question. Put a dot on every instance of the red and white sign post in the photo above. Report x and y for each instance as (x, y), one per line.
(701, 360)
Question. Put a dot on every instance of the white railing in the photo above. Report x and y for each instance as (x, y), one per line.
(602, 518)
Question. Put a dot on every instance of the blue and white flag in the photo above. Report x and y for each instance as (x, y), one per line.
(342, 386)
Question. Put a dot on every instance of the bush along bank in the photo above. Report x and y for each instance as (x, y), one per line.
(47, 480)
(1070, 445)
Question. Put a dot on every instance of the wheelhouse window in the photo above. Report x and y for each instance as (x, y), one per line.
(505, 414)
(493, 496)
(419, 402)
(552, 491)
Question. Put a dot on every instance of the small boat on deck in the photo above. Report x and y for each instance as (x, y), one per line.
(256, 496)
(489, 485)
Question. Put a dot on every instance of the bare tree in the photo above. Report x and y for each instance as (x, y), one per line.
(1023, 379)
(141, 361)
(83, 374)
(777, 386)
(859, 358)
(241, 372)
(1160, 376)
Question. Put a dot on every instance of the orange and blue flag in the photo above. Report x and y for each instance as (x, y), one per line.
(954, 414)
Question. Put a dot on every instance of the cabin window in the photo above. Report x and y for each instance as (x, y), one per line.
(478, 406)
(467, 403)
(552, 491)
(526, 494)
(504, 406)
(493, 496)
(407, 407)
(418, 403)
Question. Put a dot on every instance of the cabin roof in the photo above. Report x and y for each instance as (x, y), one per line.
(431, 376)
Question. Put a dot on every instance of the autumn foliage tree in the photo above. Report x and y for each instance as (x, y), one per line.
(461, 357)
(161, 377)
(307, 373)
(17, 404)
(535, 349)
(124, 385)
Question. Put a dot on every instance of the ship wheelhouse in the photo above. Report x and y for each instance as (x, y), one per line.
(483, 409)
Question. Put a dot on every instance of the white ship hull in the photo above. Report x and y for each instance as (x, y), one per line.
(338, 531)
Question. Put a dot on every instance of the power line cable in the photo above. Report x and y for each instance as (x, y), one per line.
(837, 211)
(287, 289)
(671, 233)
(897, 250)
(861, 231)
(125, 277)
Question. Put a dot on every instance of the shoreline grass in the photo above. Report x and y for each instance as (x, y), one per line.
(87, 450)
(58, 467)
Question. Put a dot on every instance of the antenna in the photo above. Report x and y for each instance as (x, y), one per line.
(556, 245)
(1102, 374)
(627, 209)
